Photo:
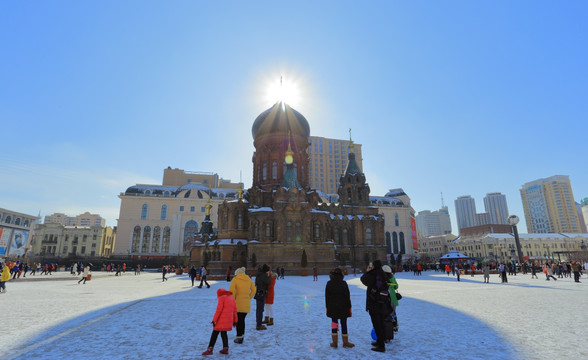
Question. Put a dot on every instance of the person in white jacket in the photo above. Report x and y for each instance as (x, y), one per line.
(85, 274)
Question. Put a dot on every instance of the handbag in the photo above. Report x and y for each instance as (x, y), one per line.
(398, 296)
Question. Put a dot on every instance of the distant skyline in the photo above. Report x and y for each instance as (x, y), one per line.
(453, 97)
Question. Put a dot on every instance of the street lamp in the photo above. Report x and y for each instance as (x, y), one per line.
(513, 220)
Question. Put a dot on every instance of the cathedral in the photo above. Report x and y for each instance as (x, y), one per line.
(280, 220)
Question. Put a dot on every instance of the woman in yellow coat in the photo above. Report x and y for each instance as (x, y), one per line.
(243, 290)
(4, 278)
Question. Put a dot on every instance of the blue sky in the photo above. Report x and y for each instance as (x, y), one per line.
(459, 97)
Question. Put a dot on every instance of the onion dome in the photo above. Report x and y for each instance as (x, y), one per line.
(280, 119)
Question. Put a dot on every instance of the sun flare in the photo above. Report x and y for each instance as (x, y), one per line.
(282, 89)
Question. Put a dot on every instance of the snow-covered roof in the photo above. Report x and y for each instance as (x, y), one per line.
(261, 209)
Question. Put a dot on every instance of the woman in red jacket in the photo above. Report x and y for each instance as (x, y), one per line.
(269, 300)
(223, 320)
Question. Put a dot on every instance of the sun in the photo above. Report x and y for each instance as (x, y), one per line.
(282, 89)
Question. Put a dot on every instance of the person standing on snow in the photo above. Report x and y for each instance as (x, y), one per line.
(269, 300)
(4, 278)
(338, 304)
(192, 274)
(243, 289)
(203, 273)
(375, 281)
(262, 282)
(486, 270)
(223, 320)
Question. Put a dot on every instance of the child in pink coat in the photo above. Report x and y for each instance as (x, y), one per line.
(223, 320)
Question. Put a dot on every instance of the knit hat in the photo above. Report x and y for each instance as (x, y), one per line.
(387, 269)
(240, 270)
(265, 268)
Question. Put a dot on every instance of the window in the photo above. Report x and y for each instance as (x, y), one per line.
(83, 251)
(317, 231)
(181, 208)
(144, 209)
(166, 237)
(264, 172)
(17, 221)
(203, 209)
(192, 208)
(146, 239)
(240, 221)
(8, 219)
(156, 237)
(274, 170)
(368, 236)
(396, 222)
(163, 212)
(289, 231)
(298, 232)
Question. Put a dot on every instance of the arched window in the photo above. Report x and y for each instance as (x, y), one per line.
(274, 170)
(348, 194)
(26, 223)
(226, 219)
(146, 239)
(240, 221)
(395, 242)
(264, 172)
(317, 231)
(345, 237)
(336, 237)
(156, 237)
(144, 212)
(396, 222)
(136, 239)
(289, 231)
(258, 174)
(298, 232)
(165, 242)
(402, 244)
(8, 219)
(147, 192)
(388, 243)
(255, 231)
(190, 231)
(368, 236)
(17, 221)
(163, 212)
(268, 230)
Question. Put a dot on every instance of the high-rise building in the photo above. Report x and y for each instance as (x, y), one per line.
(584, 211)
(549, 205)
(85, 219)
(495, 205)
(465, 210)
(328, 161)
(433, 223)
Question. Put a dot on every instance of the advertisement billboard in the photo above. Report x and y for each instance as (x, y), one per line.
(4, 239)
(415, 244)
(18, 244)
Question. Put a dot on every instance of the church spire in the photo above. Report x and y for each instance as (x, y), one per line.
(352, 167)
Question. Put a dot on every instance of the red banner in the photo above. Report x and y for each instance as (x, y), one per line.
(415, 244)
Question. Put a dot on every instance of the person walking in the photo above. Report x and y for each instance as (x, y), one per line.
(502, 272)
(225, 317)
(486, 270)
(375, 281)
(392, 287)
(314, 273)
(262, 282)
(243, 290)
(534, 271)
(576, 270)
(269, 300)
(85, 274)
(203, 274)
(229, 271)
(338, 304)
(4, 278)
(192, 273)
(549, 272)
(164, 272)
(457, 271)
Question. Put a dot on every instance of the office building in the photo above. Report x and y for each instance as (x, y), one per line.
(465, 210)
(434, 223)
(495, 206)
(328, 161)
(549, 205)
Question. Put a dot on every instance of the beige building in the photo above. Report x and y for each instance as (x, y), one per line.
(549, 205)
(15, 233)
(328, 161)
(538, 247)
(156, 221)
(431, 248)
(398, 215)
(60, 241)
(85, 219)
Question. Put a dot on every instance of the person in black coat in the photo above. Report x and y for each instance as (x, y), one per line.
(262, 281)
(375, 280)
(338, 303)
(192, 273)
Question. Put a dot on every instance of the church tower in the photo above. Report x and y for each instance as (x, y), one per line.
(353, 190)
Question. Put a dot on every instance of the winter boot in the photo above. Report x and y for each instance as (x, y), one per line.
(208, 351)
(238, 340)
(335, 338)
(266, 320)
(346, 343)
(225, 350)
(270, 322)
(262, 327)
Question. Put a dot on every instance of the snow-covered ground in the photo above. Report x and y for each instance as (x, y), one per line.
(141, 317)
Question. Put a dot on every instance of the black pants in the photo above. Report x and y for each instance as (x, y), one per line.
(576, 276)
(214, 336)
(193, 278)
(377, 317)
(343, 325)
(203, 279)
(241, 323)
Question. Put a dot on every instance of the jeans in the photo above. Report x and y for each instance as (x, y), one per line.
(259, 311)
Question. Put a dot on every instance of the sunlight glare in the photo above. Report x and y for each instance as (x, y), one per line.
(286, 90)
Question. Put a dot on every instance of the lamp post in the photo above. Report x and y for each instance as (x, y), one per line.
(513, 220)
